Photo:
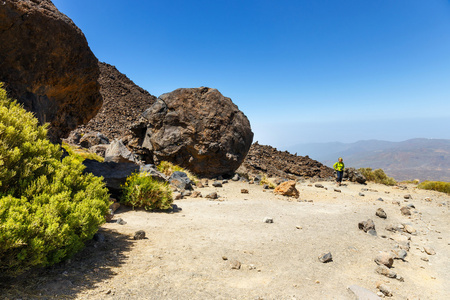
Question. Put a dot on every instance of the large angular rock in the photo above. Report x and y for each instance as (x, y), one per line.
(47, 65)
(354, 176)
(196, 128)
(287, 188)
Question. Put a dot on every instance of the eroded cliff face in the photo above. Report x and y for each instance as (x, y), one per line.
(47, 65)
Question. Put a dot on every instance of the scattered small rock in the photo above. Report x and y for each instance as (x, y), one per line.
(287, 188)
(217, 184)
(385, 290)
(114, 206)
(265, 186)
(405, 211)
(99, 237)
(409, 229)
(319, 185)
(224, 181)
(139, 235)
(235, 177)
(366, 225)
(362, 293)
(212, 195)
(396, 202)
(424, 258)
(428, 250)
(428, 199)
(244, 191)
(186, 193)
(380, 199)
(410, 205)
(177, 196)
(120, 221)
(337, 190)
(325, 257)
(235, 265)
(381, 213)
(399, 253)
(361, 194)
(196, 194)
(299, 227)
(224, 258)
(268, 220)
(199, 184)
(384, 258)
(407, 196)
(383, 270)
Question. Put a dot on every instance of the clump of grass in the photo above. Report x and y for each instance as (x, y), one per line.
(167, 168)
(415, 181)
(440, 186)
(265, 180)
(80, 154)
(377, 176)
(143, 191)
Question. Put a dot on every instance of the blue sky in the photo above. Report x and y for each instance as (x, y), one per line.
(302, 71)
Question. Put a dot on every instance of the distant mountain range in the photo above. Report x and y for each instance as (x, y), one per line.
(424, 159)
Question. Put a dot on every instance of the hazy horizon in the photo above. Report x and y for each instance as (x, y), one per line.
(301, 71)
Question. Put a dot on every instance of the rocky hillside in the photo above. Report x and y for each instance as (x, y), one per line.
(123, 103)
(274, 163)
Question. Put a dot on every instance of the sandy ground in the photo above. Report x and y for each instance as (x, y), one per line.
(188, 254)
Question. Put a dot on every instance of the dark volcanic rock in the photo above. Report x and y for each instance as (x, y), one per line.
(282, 164)
(354, 176)
(47, 65)
(196, 128)
(123, 103)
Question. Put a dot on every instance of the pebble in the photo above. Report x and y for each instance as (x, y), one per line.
(428, 250)
(396, 202)
(139, 235)
(325, 257)
(212, 195)
(380, 199)
(382, 270)
(385, 290)
(99, 237)
(186, 193)
(299, 227)
(235, 265)
(381, 213)
(177, 196)
(361, 194)
(268, 220)
(318, 185)
(399, 253)
(424, 258)
(407, 196)
(265, 186)
(244, 191)
(224, 181)
(366, 225)
(217, 184)
(384, 258)
(337, 190)
(405, 211)
(409, 229)
(196, 194)
(120, 221)
(199, 184)
(235, 177)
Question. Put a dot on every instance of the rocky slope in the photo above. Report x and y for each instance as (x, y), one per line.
(274, 163)
(46, 64)
(123, 103)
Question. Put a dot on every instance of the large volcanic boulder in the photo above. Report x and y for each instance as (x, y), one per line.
(196, 128)
(47, 65)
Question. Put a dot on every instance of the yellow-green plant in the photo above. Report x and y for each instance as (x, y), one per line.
(265, 180)
(440, 186)
(142, 191)
(80, 153)
(377, 176)
(167, 168)
(48, 207)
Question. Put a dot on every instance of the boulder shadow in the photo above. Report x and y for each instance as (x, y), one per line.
(95, 263)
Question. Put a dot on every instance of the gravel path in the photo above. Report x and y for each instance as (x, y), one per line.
(190, 254)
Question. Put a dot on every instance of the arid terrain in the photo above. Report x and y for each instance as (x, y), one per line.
(193, 253)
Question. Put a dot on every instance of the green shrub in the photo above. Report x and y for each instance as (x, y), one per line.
(81, 154)
(439, 186)
(48, 207)
(143, 191)
(167, 168)
(377, 176)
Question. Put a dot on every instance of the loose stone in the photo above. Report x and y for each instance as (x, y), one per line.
(268, 220)
(325, 257)
(381, 213)
(384, 258)
(139, 235)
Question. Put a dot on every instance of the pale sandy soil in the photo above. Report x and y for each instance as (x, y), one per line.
(183, 256)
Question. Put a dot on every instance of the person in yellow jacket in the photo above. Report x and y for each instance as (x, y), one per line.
(339, 167)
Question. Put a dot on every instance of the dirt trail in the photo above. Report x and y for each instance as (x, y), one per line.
(183, 257)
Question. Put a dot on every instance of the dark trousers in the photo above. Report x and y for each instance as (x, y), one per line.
(339, 175)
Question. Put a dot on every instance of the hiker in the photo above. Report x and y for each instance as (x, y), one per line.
(339, 167)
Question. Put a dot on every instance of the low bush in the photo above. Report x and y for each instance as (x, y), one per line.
(265, 180)
(440, 186)
(48, 207)
(80, 153)
(167, 168)
(143, 191)
(377, 176)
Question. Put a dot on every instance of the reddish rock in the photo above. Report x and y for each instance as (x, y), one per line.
(287, 188)
(47, 65)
